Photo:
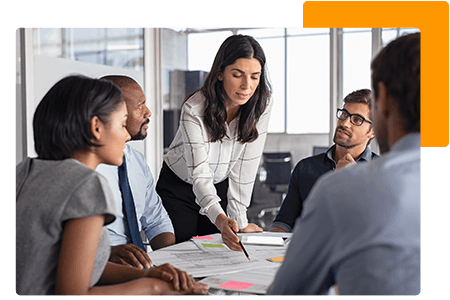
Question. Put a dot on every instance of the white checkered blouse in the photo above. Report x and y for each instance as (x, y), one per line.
(201, 163)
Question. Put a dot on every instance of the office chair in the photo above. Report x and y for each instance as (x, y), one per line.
(275, 173)
(319, 149)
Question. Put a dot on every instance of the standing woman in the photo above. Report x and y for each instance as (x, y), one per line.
(207, 177)
(63, 205)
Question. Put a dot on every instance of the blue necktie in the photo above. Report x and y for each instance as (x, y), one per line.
(128, 204)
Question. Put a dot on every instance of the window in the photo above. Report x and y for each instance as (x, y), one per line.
(389, 34)
(202, 48)
(273, 44)
(308, 81)
(117, 47)
(298, 64)
(357, 55)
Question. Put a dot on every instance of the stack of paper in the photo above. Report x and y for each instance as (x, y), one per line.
(263, 240)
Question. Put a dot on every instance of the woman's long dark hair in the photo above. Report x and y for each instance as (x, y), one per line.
(233, 48)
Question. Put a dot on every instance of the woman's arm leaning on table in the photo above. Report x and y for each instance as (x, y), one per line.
(76, 263)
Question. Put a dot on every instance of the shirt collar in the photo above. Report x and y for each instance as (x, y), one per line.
(330, 152)
(365, 156)
(126, 151)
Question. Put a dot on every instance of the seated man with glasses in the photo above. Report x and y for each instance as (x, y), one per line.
(352, 136)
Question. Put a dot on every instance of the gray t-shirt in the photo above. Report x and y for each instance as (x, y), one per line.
(49, 193)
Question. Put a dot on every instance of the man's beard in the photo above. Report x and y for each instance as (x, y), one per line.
(347, 145)
(140, 136)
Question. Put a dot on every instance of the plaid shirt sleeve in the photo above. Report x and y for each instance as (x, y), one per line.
(196, 146)
(243, 174)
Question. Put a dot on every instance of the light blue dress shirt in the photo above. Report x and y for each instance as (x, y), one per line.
(151, 214)
(360, 230)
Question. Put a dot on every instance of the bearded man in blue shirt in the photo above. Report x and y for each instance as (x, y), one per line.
(150, 215)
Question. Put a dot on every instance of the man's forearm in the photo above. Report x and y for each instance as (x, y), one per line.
(162, 240)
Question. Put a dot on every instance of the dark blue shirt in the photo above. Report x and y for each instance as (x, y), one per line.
(303, 178)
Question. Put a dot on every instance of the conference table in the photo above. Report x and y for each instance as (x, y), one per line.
(228, 272)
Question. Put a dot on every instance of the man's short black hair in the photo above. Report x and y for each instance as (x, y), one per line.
(398, 67)
(121, 80)
(61, 123)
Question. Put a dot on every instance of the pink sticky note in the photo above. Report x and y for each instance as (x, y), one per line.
(236, 285)
(205, 237)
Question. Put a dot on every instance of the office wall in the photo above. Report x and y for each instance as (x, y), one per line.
(47, 71)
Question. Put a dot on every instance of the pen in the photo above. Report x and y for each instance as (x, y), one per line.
(242, 246)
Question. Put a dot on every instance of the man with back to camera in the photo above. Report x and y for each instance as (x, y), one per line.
(150, 215)
(352, 137)
(360, 228)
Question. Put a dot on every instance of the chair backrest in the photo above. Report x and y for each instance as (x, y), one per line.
(319, 149)
(278, 166)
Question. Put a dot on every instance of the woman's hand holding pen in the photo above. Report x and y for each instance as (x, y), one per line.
(224, 224)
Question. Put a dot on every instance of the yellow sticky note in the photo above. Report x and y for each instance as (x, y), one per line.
(278, 259)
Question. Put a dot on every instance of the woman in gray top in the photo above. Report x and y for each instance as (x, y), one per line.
(63, 205)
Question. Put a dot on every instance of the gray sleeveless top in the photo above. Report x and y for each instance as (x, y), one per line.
(49, 193)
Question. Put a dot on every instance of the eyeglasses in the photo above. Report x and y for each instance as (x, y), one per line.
(355, 119)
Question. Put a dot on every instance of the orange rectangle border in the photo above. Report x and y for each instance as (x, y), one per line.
(432, 19)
